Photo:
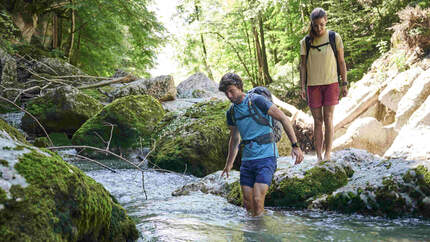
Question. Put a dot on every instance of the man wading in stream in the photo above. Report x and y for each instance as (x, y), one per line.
(260, 151)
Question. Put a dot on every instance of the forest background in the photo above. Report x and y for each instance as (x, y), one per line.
(259, 40)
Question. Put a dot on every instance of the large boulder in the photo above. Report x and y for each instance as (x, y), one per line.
(361, 135)
(43, 197)
(61, 68)
(161, 87)
(199, 86)
(133, 118)
(381, 187)
(195, 141)
(398, 87)
(413, 99)
(412, 141)
(64, 109)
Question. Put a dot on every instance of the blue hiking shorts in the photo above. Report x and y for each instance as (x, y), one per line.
(257, 171)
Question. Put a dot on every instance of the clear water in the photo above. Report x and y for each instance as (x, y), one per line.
(204, 217)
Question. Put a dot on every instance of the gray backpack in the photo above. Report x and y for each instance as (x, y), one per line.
(276, 125)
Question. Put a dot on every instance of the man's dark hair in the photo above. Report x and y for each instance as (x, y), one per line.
(230, 79)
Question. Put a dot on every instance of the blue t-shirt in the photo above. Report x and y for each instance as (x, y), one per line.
(249, 129)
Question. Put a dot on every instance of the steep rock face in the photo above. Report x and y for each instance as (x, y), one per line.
(195, 141)
(43, 197)
(64, 109)
(161, 87)
(198, 86)
(133, 118)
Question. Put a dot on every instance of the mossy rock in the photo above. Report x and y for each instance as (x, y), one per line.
(408, 196)
(51, 200)
(134, 119)
(7, 108)
(58, 139)
(235, 195)
(294, 191)
(195, 141)
(100, 96)
(62, 110)
(13, 132)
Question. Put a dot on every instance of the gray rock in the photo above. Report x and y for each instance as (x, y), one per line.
(199, 86)
(161, 87)
(8, 75)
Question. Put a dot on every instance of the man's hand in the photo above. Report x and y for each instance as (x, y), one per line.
(344, 91)
(297, 152)
(227, 168)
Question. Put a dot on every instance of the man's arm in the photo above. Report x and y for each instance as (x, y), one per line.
(233, 148)
(277, 114)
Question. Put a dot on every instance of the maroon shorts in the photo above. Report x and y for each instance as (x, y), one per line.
(323, 95)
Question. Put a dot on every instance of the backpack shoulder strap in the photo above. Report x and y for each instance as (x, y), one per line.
(258, 117)
(308, 45)
(231, 113)
(332, 40)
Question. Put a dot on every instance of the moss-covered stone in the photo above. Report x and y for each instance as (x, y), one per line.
(60, 203)
(295, 191)
(235, 195)
(41, 142)
(195, 141)
(96, 94)
(134, 119)
(62, 110)
(7, 108)
(58, 139)
(14, 133)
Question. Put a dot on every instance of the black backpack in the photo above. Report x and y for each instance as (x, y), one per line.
(276, 125)
(332, 42)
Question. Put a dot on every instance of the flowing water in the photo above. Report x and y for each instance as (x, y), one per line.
(205, 217)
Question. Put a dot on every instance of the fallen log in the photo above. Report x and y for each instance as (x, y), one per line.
(124, 79)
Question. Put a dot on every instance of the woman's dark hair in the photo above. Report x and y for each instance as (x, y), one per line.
(230, 79)
(315, 14)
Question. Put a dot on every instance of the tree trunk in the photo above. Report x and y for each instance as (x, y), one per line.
(202, 40)
(260, 76)
(54, 31)
(267, 77)
(72, 33)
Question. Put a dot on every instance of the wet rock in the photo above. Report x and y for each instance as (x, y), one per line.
(64, 109)
(161, 87)
(195, 141)
(41, 196)
(212, 184)
(391, 188)
(134, 119)
(199, 86)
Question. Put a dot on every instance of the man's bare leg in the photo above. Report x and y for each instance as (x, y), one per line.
(260, 190)
(318, 130)
(248, 200)
(329, 130)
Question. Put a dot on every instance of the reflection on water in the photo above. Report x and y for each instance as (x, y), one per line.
(203, 217)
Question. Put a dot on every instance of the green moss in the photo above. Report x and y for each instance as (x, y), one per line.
(134, 117)
(235, 195)
(7, 108)
(12, 131)
(41, 142)
(60, 204)
(64, 110)
(346, 202)
(4, 162)
(96, 94)
(195, 141)
(294, 191)
(60, 139)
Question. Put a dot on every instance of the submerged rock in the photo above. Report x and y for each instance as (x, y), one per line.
(134, 119)
(195, 141)
(43, 197)
(64, 109)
